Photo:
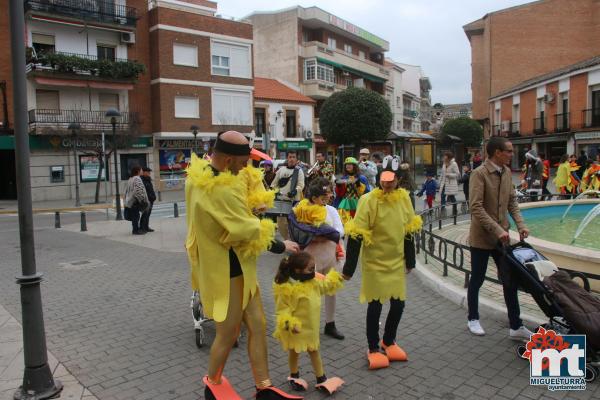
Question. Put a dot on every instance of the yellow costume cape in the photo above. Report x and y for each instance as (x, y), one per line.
(563, 174)
(383, 220)
(219, 217)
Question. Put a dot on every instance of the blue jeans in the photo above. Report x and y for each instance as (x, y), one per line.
(479, 262)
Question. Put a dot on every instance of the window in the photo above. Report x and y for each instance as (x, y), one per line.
(187, 107)
(350, 83)
(515, 113)
(259, 121)
(231, 60)
(129, 161)
(290, 123)
(43, 44)
(106, 52)
(317, 70)
(47, 100)
(331, 43)
(348, 48)
(305, 36)
(361, 54)
(184, 54)
(310, 70)
(231, 107)
(108, 100)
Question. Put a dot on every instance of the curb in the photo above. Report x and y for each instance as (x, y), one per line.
(62, 209)
(487, 307)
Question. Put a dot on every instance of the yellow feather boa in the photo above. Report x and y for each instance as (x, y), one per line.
(199, 174)
(258, 196)
(254, 248)
(333, 282)
(391, 197)
(356, 233)
(414, 225)
(287, 322)
(309, 213)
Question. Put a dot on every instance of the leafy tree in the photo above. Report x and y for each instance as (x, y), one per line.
(355, 116)
(469, 130)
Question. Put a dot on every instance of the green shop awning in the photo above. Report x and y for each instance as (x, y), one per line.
(352, 70)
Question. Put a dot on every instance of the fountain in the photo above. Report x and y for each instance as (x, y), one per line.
(594, 212)
(579, 196)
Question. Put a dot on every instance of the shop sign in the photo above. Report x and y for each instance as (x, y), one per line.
(84, 142)
(88, 167)
(587, 135)
(295, 145)
(177, 143)
(348, 27)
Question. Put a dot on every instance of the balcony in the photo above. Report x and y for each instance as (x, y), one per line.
(57, 121)
(346, 61)
(410, 113)
(98, 11)
(562, 122)
(320, 89)
(539, 125)
(84, 66)
(515, 129)
(591, 118)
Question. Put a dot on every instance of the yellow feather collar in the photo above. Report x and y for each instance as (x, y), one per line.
(200, 174)
(309, 213)
(391, 197)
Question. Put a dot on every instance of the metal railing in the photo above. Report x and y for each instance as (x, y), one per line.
(591, 118)
(515, 129)
(41, 58)
(562, 122)
(449, 253)
(539, 125)
(102, 11)
(87, 119)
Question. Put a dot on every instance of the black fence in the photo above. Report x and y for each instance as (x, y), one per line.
(102, 11)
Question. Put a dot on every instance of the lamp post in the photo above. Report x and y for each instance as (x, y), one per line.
(74, 127)
(194, 129)
(113, 114)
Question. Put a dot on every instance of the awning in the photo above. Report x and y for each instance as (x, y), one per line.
(410, 135)
(83, 83)
(354, 71)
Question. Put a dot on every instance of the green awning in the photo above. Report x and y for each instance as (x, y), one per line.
(354, 71)
(7, 142)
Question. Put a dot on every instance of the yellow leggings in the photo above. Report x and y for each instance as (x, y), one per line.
(315, 360)
(228, 331)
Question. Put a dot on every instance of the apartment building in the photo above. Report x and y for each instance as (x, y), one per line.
(317, 52)
(555, 113)
(176, 72)
(515, 44)
(416, 99)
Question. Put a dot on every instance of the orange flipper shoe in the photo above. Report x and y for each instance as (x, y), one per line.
(298, 384)
(221, 391)
(394, 352)
(272, 393)
(377, 360)
(331, 385)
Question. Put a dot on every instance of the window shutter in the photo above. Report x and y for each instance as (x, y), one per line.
(47, 99)
(185, 55)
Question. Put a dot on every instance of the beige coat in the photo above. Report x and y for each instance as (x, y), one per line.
(449, 179)
(491, 198)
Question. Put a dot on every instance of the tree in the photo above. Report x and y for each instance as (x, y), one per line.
(355, 116)
(469, 130)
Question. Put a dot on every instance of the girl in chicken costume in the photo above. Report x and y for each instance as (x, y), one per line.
(223, 242)
(298, 290)
(383, 227)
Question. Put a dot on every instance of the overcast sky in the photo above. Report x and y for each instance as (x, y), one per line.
(421, 32)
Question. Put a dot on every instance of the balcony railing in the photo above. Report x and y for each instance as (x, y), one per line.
(410, 113)
(495, 130)
(84, 64)
(562, 122)
(59, 120)
(515, 129)
(539, 125)
(100, 11)
(591, 118)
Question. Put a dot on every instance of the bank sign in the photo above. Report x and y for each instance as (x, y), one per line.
(347, 26)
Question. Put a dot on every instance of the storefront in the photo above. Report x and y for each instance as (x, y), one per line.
(589, 142)
(174, 155)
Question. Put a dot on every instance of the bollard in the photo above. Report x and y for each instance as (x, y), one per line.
(159, 196)
(57, 220)
(454, 212)
(83, 222)
(175, 210)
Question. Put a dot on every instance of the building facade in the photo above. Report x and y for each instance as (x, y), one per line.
(518, 43)
(556, 113)
(167, 66)
(416, 99)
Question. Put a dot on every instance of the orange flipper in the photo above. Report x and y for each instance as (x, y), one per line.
(223, 390)
(377, 360)
(272, 392)
(331, 385)
(298, 383)
(394, 352)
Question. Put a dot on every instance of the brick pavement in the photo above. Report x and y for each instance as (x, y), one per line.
(117, 316)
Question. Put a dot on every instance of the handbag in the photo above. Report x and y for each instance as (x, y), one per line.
(127, 214)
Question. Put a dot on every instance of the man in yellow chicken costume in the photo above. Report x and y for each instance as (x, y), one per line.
(223, 242)
(383, 226)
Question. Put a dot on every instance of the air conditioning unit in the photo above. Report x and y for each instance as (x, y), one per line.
(549, 98)
(505, 126)
(127, 37)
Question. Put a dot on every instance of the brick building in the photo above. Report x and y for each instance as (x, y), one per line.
(513, 45)
(166, 65)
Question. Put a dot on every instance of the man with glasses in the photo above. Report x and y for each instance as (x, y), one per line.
(492, 197)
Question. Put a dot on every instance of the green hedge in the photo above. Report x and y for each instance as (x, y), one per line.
(102, 68)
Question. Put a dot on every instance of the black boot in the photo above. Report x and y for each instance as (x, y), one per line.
(272, 393)
(331, 330)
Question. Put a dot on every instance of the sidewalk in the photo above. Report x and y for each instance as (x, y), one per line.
(11, 363)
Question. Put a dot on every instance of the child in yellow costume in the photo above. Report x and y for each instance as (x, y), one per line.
(591, 177)
(223, 242)
(564, 181)
(383, 226)
(298, 290)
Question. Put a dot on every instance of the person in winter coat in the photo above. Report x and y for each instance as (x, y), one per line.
(136, 199)
(449, 179)
(477, 160)
(367, 168)
(147, 179)
(465, 180)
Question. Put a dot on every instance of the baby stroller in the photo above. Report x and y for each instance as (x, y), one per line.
(536, 275)
(200, 319)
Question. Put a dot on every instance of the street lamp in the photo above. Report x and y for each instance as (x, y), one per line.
(194, 129)
(74, 127)
(113, 114)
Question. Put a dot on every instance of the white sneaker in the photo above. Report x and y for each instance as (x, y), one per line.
(520, 334)
(475, 327)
